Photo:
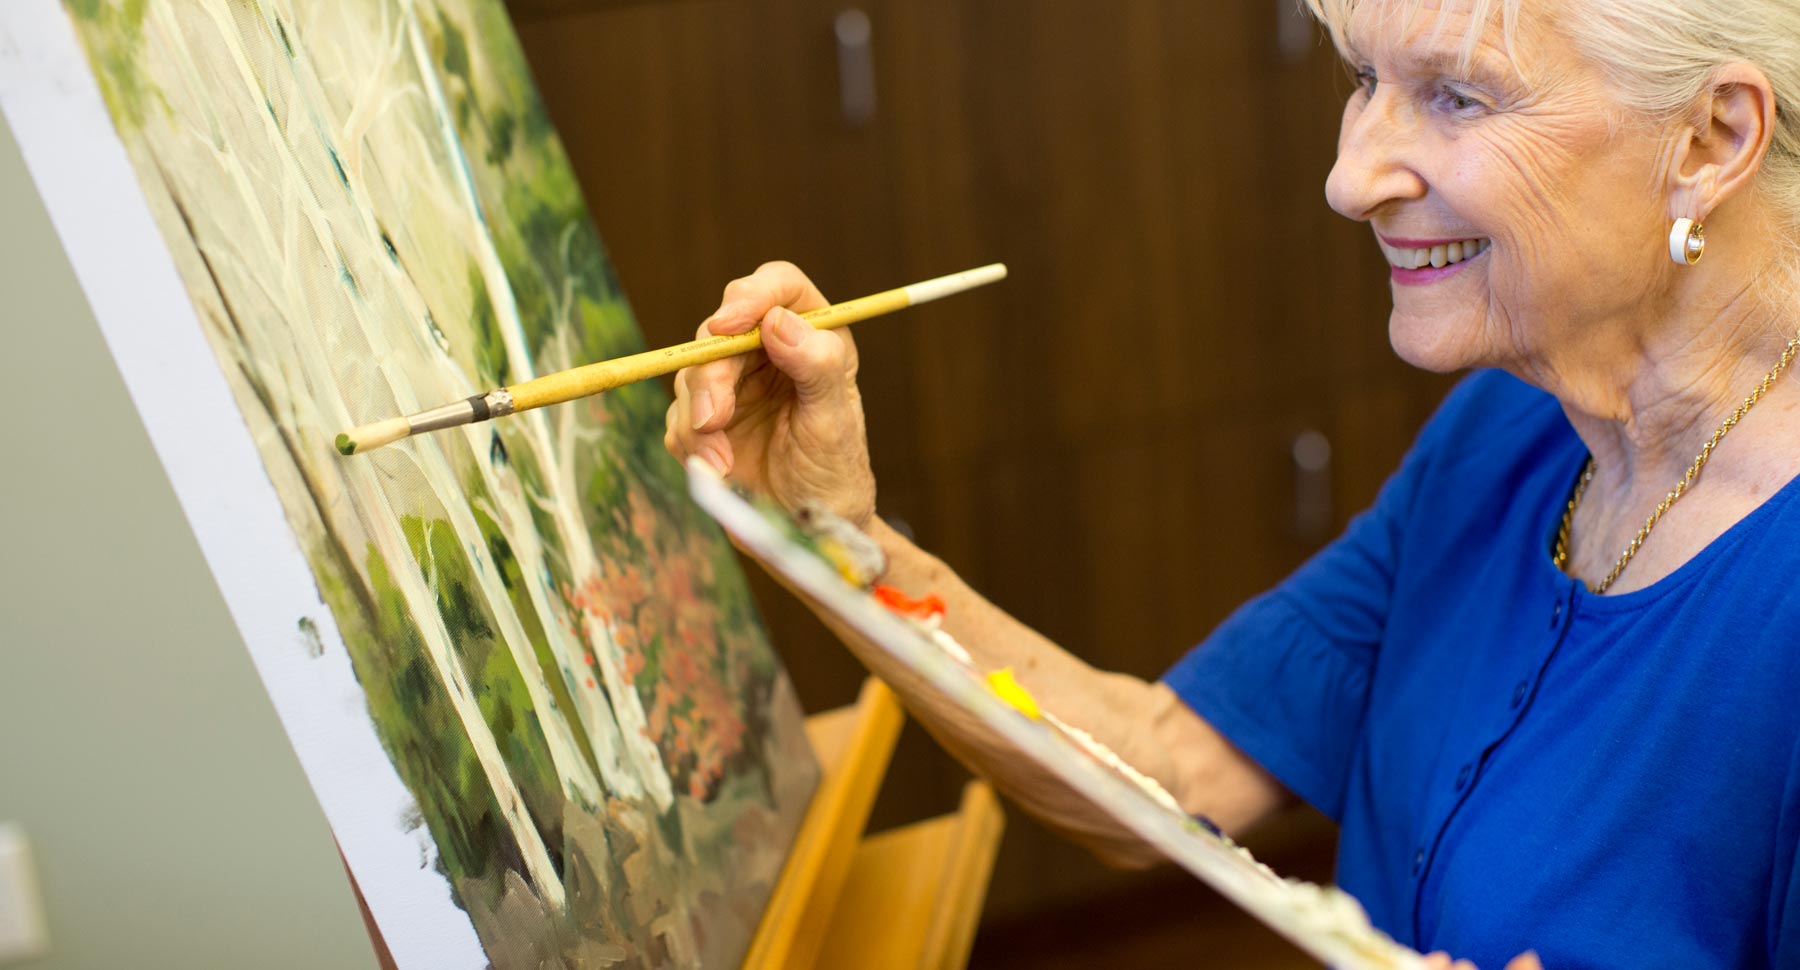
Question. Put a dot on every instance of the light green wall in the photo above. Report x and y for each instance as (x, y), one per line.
(171, 824)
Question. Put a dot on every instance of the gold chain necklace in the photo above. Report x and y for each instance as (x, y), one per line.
(1561, 556)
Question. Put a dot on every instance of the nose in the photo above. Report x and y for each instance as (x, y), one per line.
(1373, 166)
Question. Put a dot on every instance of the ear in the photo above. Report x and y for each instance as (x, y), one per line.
(1734, 122)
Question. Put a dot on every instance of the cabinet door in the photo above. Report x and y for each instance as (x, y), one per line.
(709, 136)
(1103, 443)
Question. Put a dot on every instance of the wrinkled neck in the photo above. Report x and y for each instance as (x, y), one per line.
(1646, 400)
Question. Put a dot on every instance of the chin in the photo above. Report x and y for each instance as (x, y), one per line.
(1438, 344)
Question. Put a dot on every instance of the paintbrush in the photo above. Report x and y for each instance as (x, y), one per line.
(578, 382)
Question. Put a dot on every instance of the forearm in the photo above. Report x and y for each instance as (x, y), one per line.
(1146, 724)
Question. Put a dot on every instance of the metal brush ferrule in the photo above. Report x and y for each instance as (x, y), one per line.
(500, 402)
(448, 416)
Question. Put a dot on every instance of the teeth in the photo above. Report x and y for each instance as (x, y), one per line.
(1436, 256)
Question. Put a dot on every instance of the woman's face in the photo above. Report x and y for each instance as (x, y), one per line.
(1559, 216)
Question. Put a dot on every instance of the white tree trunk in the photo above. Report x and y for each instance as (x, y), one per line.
(626, 707)
(358, 477)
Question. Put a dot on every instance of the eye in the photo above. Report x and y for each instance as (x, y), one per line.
(1458, 100)
(1366, 80)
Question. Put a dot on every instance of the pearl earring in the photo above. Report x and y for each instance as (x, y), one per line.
(1687, 240)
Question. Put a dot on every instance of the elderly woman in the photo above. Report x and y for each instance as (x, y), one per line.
(1546, 685)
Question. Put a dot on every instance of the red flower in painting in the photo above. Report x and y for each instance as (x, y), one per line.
(656, 599)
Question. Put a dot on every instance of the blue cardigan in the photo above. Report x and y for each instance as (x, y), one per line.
(1517, 763)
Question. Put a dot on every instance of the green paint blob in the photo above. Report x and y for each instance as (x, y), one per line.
(345, 446)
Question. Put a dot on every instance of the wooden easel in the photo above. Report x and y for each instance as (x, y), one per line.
(899, 900)
(907, 899)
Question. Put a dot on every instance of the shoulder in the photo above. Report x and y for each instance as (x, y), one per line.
(1494, 442)
(1492, 416)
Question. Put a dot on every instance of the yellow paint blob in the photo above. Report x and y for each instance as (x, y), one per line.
(1007, 687)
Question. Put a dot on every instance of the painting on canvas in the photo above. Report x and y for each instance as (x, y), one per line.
(602, 760)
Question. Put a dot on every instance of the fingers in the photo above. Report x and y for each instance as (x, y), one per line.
(779, 283)
(749, 298)
(820, 363)
(1526, 961)
(712, 387)
(680, 438)
(747, 301)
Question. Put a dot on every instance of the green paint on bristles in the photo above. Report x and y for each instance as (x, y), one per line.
(345, 446)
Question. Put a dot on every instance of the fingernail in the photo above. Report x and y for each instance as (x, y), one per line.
(789, 328)
(712, 458)
(703, 408)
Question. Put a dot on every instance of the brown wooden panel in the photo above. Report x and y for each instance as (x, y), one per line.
(706, 135)
(1160, 919)
(1102, 443)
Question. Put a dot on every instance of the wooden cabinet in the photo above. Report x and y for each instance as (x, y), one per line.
(1104, 442)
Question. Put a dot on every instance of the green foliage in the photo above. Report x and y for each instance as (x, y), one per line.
(419, 727)
(454, 50)
(113, 34)
(494, 677)
(504, 127)
(531, 289)
(513, 578)
(493, 367)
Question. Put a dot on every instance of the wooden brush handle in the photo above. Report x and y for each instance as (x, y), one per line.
(604, 376)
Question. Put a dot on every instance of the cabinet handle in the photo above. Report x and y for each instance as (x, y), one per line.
(856, 66)
(1312, 486)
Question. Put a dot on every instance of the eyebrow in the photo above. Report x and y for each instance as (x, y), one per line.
(1480, 66)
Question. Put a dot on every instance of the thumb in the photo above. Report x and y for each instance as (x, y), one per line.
(1526, 961)
(813, 360)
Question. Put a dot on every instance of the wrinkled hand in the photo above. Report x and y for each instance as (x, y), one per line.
(1441, 961)
(786, 421)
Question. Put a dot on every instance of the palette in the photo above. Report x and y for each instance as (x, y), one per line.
(1322, 920)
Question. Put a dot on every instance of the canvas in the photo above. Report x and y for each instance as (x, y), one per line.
(583, 742)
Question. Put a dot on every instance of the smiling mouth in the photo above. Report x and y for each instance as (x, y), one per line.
(1445, 254)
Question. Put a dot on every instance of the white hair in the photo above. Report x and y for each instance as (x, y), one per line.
(1659, 57)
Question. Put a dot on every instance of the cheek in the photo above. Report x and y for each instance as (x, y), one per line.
(1593, 255)
(1565, 206)
(1556, 222)
(1523, 195)
(1520, 177)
